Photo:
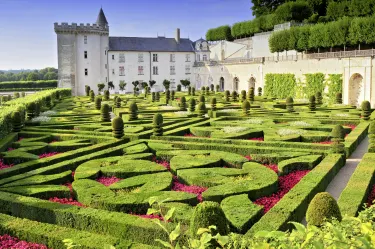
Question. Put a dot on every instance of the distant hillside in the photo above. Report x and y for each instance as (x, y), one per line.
(48, 73)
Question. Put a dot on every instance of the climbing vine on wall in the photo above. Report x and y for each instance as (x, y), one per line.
(314, 83)
(280, 85)
(334, 83)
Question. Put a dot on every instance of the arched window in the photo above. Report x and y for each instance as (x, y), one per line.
(204, 57)
(235, 84)
(221, 84)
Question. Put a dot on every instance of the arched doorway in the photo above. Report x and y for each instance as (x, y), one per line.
(251, 83)
(355, 88)
(221, 84)
(199, 82)
(235, 84)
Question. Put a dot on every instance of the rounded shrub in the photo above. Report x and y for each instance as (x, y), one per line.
(92, 96)
(158, 124)
(212, 87)
(338, 137)
(260, 91)
(217, 88)
(87, 90)
(251, 94)
(312, 104)
(117, 127)
(178, 88)
(30, 110)
(319, 98)
(192, 104)
(243, 95)
(183, 103)
(118, 102)
(189, 90)
(153, 96)
(246, 108)
(173, 93)
(366, 110)
(133, 111)
(207, 90)
(227, 95)
(106, 95)
(323, 207)
(207, 214)
(106, 117)
(202, 99)
(338, 98)
(202, 109)
(16, 95)
(289, 104)
(23, 94)
(16, 121)
(338, 132)
(234, 96)
(213, 104)
(98, 103)
(203, 90)
(193, 91)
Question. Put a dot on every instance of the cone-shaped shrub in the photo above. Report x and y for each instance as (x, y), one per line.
(202, 99)
(260, 91)
(234, 96)
(189, 90)
(213, 104)
(183, 103)
(167, 96)
(158, 125)
(207, 90)
(87, 90)
(106, 95)
(193, 91)
(203, 90)
(202, 109)
(178, 88)
(133, 111)
(366, 110)
(338, 137)
(105, 113)
(48, 102)
(92, 96)
(289, 104)
(207, 214)
(192, 104)
(251, 94)
(246, 108)
(319, 98)
(173, 94)
(323, 207)
(98, 103)
(217, 88)
(212, 87)
(153, 96)
(23, 94)
(157, 96)
(243, 95)
(338, 98)
(118, 127)
(16, 121)
(16, 95)
(30, 110)
(227, 95)
(118, 102)
(312, 104)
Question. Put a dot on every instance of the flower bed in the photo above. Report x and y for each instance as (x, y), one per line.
(8, 242)
(107, 181)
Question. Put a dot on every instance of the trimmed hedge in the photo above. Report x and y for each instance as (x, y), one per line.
(28, 84)
(219, 33)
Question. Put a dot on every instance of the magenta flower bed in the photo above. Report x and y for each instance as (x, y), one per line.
(261, 139)
(149, 216)
(7, 242)
(5, 166)
(10, 149)
(351, 126)
(324, 142)
(69, 201)
(165, 164)
(106, 181)
(286, 183)
(197, 190)
(44, 155)
(273, 167)
(189, 135)
(371, 196)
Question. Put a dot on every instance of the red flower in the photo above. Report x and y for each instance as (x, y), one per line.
(44, 155)
(5, 166)
(69, 201)
(324, 142)
(197, 190)
(106, 181)
(257, 139)
(371, 196)
(7, 242)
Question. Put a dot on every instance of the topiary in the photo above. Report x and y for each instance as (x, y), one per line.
(203, 90)
(173, 94)
(158, 125)
(118, 102)
(16, 95)
(260, 91)
(212, 87)
(234, 96)
(217, 88)
(98, 103)
(183, 103)
(106, 95)
(87, 90)
(246, 108)
(193, 91)
(117, 127)
(202, 99)
(92, 96)
(366, 110)
(243, 95)
(202, 109)
(48, 102)
(338, 98)
(207, 90)
(189, 90)
(23, 94)
(312, 105)
(319, 98)
(105, 113)
(213, 104)
(227, 95)
(30, 110)
(207, 214)
(153, 96)
(178, 88)
(289, 104)
(251, 94)
(167, 96)
(133, 111)
(38, 105)
(192, 104)
(338, 137)
(157, 96)
(16, 121)
(323, 207)
(58, 96)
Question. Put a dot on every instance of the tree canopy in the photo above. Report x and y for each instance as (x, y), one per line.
(48, 73)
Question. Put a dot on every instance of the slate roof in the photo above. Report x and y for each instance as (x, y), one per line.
(101, 20)
(159, 44)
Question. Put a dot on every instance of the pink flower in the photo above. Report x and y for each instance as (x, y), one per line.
(248, 157)
(197, 190)
(69, 201)
(324, 142)
(165, 164)
(149, 216)
(10, 149)
(5, 166)
(351, 126)
(257, 139)
(273, 167)
(7, 242)
(189, 135)
(44, 155)
(106, 181)
(19, 139)
(371, 196)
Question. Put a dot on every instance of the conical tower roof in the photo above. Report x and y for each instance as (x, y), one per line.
(101, 20)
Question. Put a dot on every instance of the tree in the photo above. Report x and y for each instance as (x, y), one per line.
(262, 7)
(101, 87)
(185, 83)
(50, 76)
(151, 83)
(166, 84)
(293, 11)
(144, 85)
(32, 76)
(122, 85)
(110, 85)
(135, 84)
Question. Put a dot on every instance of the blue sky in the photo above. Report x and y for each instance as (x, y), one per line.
(27, 39)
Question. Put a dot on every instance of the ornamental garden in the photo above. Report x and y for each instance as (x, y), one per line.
(192, 168)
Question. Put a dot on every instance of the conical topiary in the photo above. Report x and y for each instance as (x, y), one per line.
(217, 88)
(213, 104)
(207, 214)
(319, 98)
(251, 94)
(203, 90)
(289, 104)
(167, 96)
(212, 87)
(193, 91)
(87, 90)
(246, 108)
(323, 207)
(92, 96)
(153, 96)
(226, 95)
(338, 98)
(183, 103)
(157, 96)
(133, 111)
(16, 121)
(202, 109)
(98, 103)
(202, 99)
(192, 104)
(260, 91)
(118, 102)
(234, 96)
(173, 94)
(105, 113)
(207, 90)
(106, 95)
(243, 95)
(189, 90)
(366, 110)
(30, 110)
(158, 125)
(312, 104)
(118, 127)
(338, 137)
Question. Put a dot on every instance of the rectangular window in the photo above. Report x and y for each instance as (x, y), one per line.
(173, 70)
(155, 57)
(105, 66)
(85, 54)
(140, 57)
(198, 57)
(172, 57)
(105, 52)
(204, 57)
(155, 70)
(121, 70)
(85, 39)
(187, 69)
(188, 58)
(113, 57)
(140, 70)
(121, 58)
(173, 81)
(106, 79)
(86, 72)
(113, 71)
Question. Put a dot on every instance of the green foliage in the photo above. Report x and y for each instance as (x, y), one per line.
(151, 83)
(157, 96)
(118, 127)
(246, 108)
(158, 124)
(280, 85)
(338, 136)
(106, 95)
(212, 88)
(296, 11)
(207, 90)
(17, 121)
(173, 93)
(260, 91)
(312, 103)
(251, 94)
(101, 87)
(319, 98)
(189, 90)
(334, 83)
(153, 96)
(322, 207)
(289, 104)
(183, 103)
(314, 83)
(217, 87)
(179, 88)
(226, 95)
(339, 98)
(133, 111)
(167, 96)
(192, 104)
(219, 33)
(48, 73)
(234, 96)
(118, 102)
(166, 84)
(213, 104)
(366, 110)
(98, 102)
(193, 91)
(105, 113)
(31, 109)
(122, 85)
(92, 96)
(202, 99)
(202, 109)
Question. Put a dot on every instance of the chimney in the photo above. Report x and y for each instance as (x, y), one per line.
(178, 36)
